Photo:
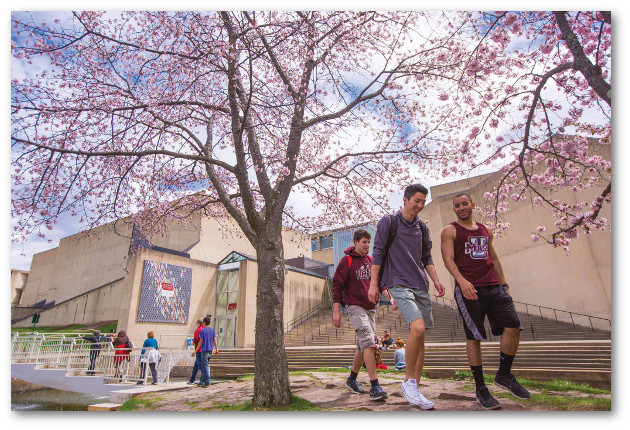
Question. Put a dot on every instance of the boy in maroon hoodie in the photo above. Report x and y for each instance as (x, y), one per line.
(350, 289)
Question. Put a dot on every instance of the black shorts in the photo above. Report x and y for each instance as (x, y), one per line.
(493, 301)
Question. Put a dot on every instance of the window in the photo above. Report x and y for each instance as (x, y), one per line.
(327, 242)
(227, 292)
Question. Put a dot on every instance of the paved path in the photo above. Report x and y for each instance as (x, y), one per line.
(328, 391)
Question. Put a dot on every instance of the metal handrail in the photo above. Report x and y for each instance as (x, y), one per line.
(327, 330)
(305, 315)
(571, 314)
(453, 305)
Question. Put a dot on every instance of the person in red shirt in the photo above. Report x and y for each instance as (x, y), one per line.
(351, 283)
(197, 355)
(480, 290)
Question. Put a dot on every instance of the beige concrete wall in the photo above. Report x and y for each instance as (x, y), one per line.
(538, 273)
(18, 282)
(325, 256)
(457, 186)
(83, 261)
(219, 237)
(202, 299)
(301, 293)
(100, 305)
(246, 320)
(80, 263)
(178, 236)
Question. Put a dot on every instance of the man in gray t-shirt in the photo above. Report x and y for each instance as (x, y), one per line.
(407, 263)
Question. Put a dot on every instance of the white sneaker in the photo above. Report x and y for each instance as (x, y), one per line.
(413, 396)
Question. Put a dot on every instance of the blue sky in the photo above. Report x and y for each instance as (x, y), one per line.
(68, 225)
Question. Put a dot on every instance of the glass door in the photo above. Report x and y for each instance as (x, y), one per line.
(225, 327)
(226, 309)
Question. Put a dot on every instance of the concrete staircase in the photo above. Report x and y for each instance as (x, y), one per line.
(580, 361)
(549, 349)
(319, 331)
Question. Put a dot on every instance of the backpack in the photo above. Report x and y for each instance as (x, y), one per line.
(393, 229)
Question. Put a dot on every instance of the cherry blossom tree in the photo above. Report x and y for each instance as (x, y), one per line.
(155, 116)
(538, 90)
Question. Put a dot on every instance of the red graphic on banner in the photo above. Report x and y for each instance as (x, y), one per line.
(167, 290)
(231, 306)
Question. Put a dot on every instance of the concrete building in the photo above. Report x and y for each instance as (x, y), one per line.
(207, 269)
(538, 274)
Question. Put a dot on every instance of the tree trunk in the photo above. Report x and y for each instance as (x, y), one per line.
(271, 372)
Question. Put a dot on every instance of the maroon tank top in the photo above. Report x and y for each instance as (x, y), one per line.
(472, 255)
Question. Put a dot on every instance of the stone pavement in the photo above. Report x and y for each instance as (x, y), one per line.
(328, 391)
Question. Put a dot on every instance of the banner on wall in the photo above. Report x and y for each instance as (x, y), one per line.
(165, 293)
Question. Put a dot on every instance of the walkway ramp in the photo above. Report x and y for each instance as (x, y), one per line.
(58, 379)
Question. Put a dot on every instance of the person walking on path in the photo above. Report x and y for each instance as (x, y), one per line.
(122, 345)
(197, 355)
(402, 245)
(351, 283)
(150, 355)
(207, 338)
(97, 342)
(481, 289)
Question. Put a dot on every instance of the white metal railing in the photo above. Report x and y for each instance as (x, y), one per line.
(164, 340)
(78, 357)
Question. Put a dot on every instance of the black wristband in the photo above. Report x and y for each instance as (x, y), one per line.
(505, 286)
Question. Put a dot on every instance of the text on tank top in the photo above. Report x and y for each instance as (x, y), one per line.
(472, 255)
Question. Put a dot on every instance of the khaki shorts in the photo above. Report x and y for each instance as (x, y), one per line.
(364, 323)
(413, 304)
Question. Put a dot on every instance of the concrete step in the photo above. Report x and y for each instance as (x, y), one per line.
(104, 407)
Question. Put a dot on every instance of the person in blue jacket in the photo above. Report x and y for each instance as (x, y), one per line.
(150, 355)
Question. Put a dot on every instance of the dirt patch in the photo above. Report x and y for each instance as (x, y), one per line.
(328, 391)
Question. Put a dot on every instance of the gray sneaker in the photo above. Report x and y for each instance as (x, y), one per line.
(377, 393)
(509, 383)
(354, 386)
(485, 399)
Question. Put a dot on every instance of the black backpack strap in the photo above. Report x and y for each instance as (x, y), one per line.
(393, 229)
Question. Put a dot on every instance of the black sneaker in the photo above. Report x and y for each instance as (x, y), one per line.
(354, 386)
(485, 399)
(509, 383)
(377, 393)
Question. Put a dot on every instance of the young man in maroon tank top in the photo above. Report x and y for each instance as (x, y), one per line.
(480, 290)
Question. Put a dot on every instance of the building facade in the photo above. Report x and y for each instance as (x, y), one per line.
(185, 275)
(556, 285)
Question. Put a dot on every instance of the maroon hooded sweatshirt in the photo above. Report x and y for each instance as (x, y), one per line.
(352, 281)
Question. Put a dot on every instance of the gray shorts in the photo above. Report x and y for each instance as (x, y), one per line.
(413, 304)
(364, 323)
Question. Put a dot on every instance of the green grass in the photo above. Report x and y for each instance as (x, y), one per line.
(568, 403)
(53, 329)
(557, 385)
(137, 402)
(297, 404)
(191, 404)
(543, 386)
(547, 397)
(106, 328)
(42, 329)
